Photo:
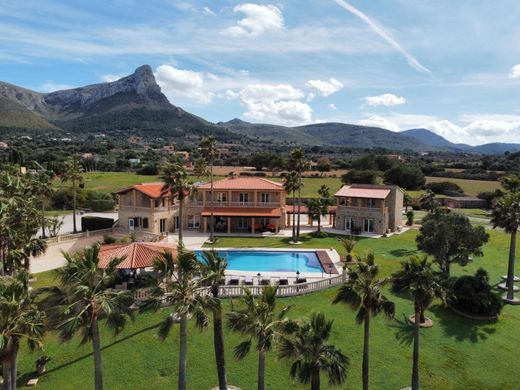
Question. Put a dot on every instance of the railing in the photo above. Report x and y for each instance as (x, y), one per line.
(148, 209)
(75, 236)
(282, 291)
(244, 204)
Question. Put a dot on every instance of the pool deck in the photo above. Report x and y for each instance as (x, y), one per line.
(333, 258)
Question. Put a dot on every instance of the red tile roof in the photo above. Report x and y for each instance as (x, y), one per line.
(243, 212)
(363, 192)
(136, 254)
(152, 190)
(243, 183)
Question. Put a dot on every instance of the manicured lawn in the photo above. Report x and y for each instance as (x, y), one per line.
(455, 354)
(470, 187)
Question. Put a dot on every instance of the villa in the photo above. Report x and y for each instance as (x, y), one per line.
(369, 208)
(240, 204)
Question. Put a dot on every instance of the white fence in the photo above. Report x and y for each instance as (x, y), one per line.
(75, 236)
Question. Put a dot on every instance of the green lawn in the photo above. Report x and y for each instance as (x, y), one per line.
(455, 354)
(470, 187)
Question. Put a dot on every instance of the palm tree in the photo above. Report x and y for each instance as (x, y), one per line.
(306, 347)
(418, 279)
(349, 244)
(290, 186)
(363, 292)
(407, 201)
(176, 183)
(259, 322)
(181, 291)
(42, 188)
(317, 209)
(84, 298)
(213, 271)
(428, 201)
(297, 161)
(20, 318)
(72, 172)
(506, 214)
(208, 149)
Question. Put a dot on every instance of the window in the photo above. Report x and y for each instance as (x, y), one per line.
(349, 223)
(162, 225)
(193, 221)
(145, 223)
(371, 203)
(221, 197)
(242, 223)
(243, 197)
(265, 197)
(264, 221)
(368, 225)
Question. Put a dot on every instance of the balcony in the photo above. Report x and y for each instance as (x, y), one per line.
(244, 204)
(148, 209)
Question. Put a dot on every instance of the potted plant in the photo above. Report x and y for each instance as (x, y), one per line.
(41, 362)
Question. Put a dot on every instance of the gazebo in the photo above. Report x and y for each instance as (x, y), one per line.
(136, 254)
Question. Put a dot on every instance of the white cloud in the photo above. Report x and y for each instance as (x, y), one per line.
(258, 20)
(278, 104)
(515, 72)
(332, 106)
(51, 86)
(381, 31)
(208, 11)
(176, 82)
(379, 121)
(324, 88)
(386, 99)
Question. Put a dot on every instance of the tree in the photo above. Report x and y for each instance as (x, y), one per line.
(258, 320)
(213, 268)
(361, 177)
(298, 163)
(176, 183)
(407, 176)
(407, 200)
(306, 347)
(450, 238)
(20, 318)
(418, 279)
(428, 201)
(319, 207)
(73, 172)
(180, 290)
(42, 188)
(323, 165)
(348, 244)
(84, 298)
(210, 152)
(291, 185)
(506, 215)
(363, 292)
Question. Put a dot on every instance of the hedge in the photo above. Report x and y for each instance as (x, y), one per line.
(91, 223)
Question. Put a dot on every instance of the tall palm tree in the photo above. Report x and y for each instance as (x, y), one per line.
(306, 346)
(20, 318)
(42, 188)
(348, 244)
(298, 163)
(258, 320)
(363, 292)
(418, 279)
(213, 268)
(317, 209)
(506, 214)
(84, 298)
(176, 183)
(73, 172)
(210, 152)
(291, 185)
(177, 287)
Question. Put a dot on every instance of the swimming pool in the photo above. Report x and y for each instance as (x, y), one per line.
(270, 261)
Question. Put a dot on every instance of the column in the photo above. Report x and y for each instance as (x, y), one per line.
(255, 198)
(252, 225)
(229, 225)
(205, 223)
(229, 194)
(310, 219)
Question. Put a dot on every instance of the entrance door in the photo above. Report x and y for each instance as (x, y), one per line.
(162, 225)
(348, 223)
(131, 225)
(369, 225)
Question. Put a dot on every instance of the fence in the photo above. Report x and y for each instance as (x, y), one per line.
(75, 236)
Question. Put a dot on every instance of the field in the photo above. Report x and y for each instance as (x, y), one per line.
(455, 354)
(470, 187)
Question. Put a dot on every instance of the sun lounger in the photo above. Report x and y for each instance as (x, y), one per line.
(265, 282)
(248, 280)
(301, 280)
(283, 281)
(234, 281)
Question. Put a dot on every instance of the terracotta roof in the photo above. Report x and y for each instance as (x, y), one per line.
(152, 190)
(363, 192)
(243, 212)
(136, 254)
(243, 183)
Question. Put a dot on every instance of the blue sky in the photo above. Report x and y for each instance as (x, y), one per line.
(450, 66)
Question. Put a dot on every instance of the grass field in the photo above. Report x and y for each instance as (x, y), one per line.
(470, 187)
(455, 354)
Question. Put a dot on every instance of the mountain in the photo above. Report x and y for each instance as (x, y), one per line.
(431, 139)
(326, 134)
(15, 116)
(134, 102)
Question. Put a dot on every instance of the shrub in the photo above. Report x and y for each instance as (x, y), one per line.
(406, 176)
(443, 187)
(62, 198)
(108, 239)
(361, 177)
(99, 201)
(473, 295)
(95, 223)
(149, 170)
(409, 218)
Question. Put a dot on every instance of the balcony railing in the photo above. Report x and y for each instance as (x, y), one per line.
(146, 209)
(243, 204)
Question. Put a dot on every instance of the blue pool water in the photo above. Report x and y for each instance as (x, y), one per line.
(271, 261)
